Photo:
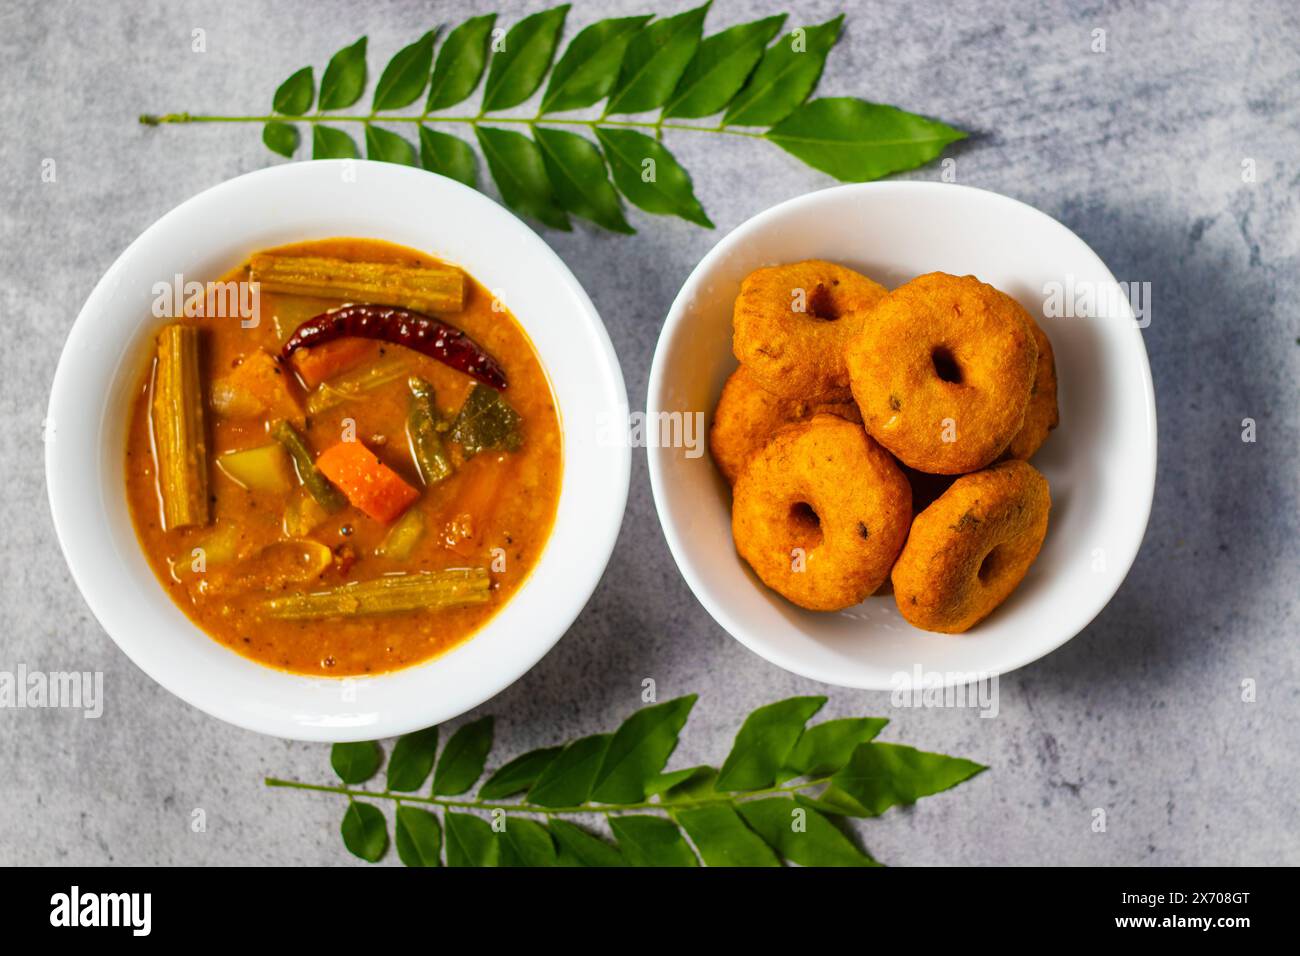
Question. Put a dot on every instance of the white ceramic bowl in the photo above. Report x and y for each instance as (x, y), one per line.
(1100, 462)
(211, 233)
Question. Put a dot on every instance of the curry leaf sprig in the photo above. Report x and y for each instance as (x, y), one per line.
(775, 797)
(754, 80)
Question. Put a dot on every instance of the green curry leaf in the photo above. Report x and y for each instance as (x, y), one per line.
(485, 421)
(448, 155)
(639, 749)
(470, 841)
(418, 837)
(577, 847)
(827, 747)
(463, 758)
(577, 172)
(520, 173)
(388, 147)
(688, 784)
(651, 841)
(857, 141)
(765, 740)
(518, 70)
(280, 138)
(790, 69)
(519, 774)
(406, 75)
(412, 760)
(634, 64)
(657, 817)
(345, 77)
(526, 843)
(356, 762)
(655, 60)
(650, 176)
(879, 776)
(800, 834)
(330, 143)
(723, 838)
(720, 67)
(365, 831)
(460, 63)
(568, 780)
(295, 95)
(589, 67)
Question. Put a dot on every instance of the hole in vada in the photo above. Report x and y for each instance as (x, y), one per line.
(945, 365)
(807, 525)
(821, 305)
(990, 565)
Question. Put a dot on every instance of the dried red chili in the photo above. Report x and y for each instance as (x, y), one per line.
(415, 330)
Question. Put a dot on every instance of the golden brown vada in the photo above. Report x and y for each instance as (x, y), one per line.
(970, 549)
(821, 513)
(748, 415)
(791, 324)
(1042, 413)
(942, 372)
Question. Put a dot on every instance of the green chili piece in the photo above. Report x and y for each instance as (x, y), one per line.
(427, 446)
(317, 485)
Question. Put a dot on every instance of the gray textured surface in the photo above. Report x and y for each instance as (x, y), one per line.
(1138, 149)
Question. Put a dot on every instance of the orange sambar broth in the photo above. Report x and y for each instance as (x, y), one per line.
(511, 498)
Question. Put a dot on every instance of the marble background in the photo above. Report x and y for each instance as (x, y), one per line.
(1139, 149)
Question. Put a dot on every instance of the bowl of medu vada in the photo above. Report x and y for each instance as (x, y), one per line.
(875, 427)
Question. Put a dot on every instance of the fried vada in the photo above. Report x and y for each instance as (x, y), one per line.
(821, 513)
(791, 325)
(748, 415)
(942, 372)
(1042, 413)
(969, 550)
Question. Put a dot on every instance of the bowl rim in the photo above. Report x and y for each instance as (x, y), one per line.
(657, 384)
(599, 536)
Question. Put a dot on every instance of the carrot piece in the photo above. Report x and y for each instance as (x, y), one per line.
(369, 484)
(325, 361)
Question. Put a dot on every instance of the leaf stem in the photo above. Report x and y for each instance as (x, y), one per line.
(607, 809)
(151, 119)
